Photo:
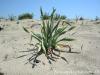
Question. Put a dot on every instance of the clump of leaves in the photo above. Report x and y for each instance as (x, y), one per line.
(45, 17)
(48, 40)
(63, 17)
(25, 16)
(56, 16)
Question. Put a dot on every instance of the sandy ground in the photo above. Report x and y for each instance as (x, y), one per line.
(13, 39)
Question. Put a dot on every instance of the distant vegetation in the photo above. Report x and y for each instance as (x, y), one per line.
(12, 18)
(25, 16)
(45, 17)
(63, 17)
(1, 17)
(97, 18)
(76, 19)
(56, 16)
(81, 18)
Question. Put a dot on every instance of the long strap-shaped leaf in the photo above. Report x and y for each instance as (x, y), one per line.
(71, 28)
(56, 26)
(25, 30)
(37, 36)
(65, 39)
(43, 47)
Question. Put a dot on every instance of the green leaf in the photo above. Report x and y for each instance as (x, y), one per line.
(41, 11)
(59, 32)
(56, 26)
(52, 14)
(37, 36)
(65, 39)
(25, 30)
(66, 23)
(43, 29)
(43, 47)
(71, 28)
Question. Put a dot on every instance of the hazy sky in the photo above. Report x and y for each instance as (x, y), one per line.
(70, 8)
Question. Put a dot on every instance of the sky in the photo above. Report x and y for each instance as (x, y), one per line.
(70, 8)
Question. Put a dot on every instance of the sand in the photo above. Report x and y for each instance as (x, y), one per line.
(14, 39)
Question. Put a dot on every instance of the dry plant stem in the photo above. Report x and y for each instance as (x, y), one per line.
(67, 46)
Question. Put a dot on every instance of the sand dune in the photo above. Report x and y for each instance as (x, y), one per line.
(13, 39)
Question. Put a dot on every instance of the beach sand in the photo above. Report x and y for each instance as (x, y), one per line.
(14, 39)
